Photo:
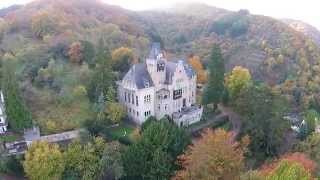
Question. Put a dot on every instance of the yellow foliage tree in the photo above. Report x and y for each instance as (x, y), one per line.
(44, 161)
(238, 80)
(122, 58)
(43, 24)
(195, 62)
(116, 112)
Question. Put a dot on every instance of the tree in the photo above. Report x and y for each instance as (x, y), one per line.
(198, 67)
(153, 155)
(292, 158)
(215, 156)
(116, 112)
(122, 58)
(311, 117)
(286, 170)
(111, 162)
(238, 80)
(44, 161)
(88, 53)
(262, 112)
(43, 24)
(103, 78)
(84, 161)
(76, 53)
(311, 147)
(215, 88)
(16, 110)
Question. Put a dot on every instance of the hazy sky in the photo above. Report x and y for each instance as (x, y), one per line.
(306, 10)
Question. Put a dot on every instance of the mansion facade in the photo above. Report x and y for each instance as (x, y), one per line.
(3, 117)
(160, 88)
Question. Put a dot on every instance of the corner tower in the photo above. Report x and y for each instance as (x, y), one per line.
(156, 64)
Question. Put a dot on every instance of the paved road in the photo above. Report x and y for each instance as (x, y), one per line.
(209, 123)
(234, 118)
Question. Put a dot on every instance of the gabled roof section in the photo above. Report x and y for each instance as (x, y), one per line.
(171, 68)
(155, 50)
(139, 75)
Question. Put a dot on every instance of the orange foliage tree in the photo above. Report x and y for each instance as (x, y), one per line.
(292, 158)
(196, 64)
(215, 156)
(76, 52)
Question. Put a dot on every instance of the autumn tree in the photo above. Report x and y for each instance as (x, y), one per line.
(311, 147)
(116, 112)
(43, 24)
(215, 88)
(83, 160)
(122, 58)
(293, 165)
(238, 80)
(287, 170)
(76, 53)
(44, 161)
(196, 64)
(215, 156)
(292, 158)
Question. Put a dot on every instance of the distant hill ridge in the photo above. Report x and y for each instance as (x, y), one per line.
(274, 52)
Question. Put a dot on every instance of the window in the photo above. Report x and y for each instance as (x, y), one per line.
(160, 67)
(130, 110)
(159, 107)
(147, 98)
(132, 99)
(166, 107)
(147, 113)
(129, 97)
(125, 96)
(137, 102)
(177, 94)
(137, 113)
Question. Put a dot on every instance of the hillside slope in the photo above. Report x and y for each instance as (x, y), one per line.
(39, 35)
(305, 28)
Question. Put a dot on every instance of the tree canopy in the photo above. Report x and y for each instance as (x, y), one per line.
(215, 156)
(215, 88)
(154, 154)
(44, 161)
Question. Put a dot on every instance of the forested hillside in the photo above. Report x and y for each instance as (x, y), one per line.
(56, 43)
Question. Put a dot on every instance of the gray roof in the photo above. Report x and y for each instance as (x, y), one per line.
(155, 50)
(171, 68)
(140, 76)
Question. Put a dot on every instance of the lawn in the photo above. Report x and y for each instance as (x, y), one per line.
(10, 138)
(121, 131)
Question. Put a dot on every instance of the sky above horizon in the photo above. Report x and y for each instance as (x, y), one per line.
(305, 10)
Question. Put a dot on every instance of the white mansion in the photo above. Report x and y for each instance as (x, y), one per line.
(3, 123)
(158, 88)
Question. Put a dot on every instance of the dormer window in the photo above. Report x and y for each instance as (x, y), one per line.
(160, 67)
(146, 83)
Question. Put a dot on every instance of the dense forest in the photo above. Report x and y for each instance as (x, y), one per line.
(60, 61)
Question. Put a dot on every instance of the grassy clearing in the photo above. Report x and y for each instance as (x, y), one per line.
(122, 131)
(10, 138)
